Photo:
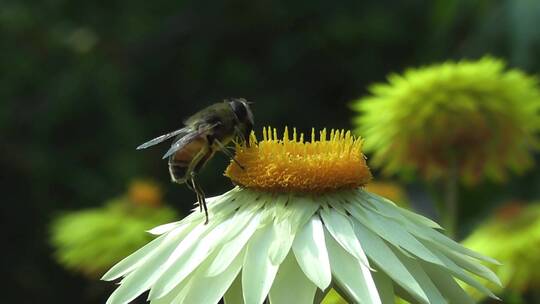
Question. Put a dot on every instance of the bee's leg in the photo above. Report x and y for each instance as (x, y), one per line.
(200, 196)
(191, 172)
(190, 183)
(240, 134)
(223, 149)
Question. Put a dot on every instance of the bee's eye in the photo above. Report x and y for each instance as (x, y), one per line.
(239, 110)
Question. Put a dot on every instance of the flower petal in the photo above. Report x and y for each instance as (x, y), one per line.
(437, 238)
(218, 207)
(456, 271)
(159, 230)
(351, 275)
(231, 248)
(384, 286)
(302, 211)
(297, 214)
(415, 268)
(176, 295)
(291, 284)
(131, 262)
(447, 285)
(389, 209)
(419, 219)
(186, 258)
(258, 272)
(309, 248)
(142, 278)
(210, 290)
(392, 232)
(340, 227)
(468, 264)
(381, 254)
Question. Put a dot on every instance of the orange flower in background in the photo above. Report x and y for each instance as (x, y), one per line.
(145, 193)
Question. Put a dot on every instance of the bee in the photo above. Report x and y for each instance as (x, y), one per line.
(205, 133)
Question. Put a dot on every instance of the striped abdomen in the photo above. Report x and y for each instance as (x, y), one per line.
(187, 159)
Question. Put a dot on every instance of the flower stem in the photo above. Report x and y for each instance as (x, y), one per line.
(449, 211)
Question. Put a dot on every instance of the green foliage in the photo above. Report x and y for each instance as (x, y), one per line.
(476, 113)
(333, 297)
(91, 241)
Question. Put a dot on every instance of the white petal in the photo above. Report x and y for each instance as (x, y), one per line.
(469, 264)
(392, 232)
(341, 229)
(309, 248)
(459, 273)
(189, 255)
(281, 245)
(234, 294)
(302, 209)
(218, 207)
(421, 277)
(384, 286)
(389, 209)
(419, 219)
(298, 212)
(277, 208)
(351, 275)
(381, 254)
(132, 261)
(447, 285)
(148, 272)
(435, 237)
(159, 230)
(258, 272)
(210, 290)
(176, 295)
(291, 284)
(231, 248)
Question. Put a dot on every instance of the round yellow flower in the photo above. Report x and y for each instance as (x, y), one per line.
(92, 240)
(512, 236)
(476, 115)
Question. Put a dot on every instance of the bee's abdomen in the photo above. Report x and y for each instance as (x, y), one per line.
(178, 171)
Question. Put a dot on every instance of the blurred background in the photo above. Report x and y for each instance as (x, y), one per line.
(83, 83)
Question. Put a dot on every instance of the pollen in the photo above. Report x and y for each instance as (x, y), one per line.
(332, 162)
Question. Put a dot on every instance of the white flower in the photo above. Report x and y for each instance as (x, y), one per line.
(292, 247)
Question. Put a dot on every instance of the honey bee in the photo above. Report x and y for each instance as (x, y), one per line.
(204, 133)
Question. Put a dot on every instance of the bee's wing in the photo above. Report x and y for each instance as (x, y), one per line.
(163, 137)
(189, 137)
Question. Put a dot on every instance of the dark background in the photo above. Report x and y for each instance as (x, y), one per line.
(82, 83)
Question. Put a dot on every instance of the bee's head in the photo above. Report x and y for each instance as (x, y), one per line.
(244, 116)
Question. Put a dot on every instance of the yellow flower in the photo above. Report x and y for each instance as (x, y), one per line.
(476, 115)
(511, 235)
(92, 240)
(299, 221)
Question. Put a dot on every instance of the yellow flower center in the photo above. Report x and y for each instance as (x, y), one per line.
(295, 165)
